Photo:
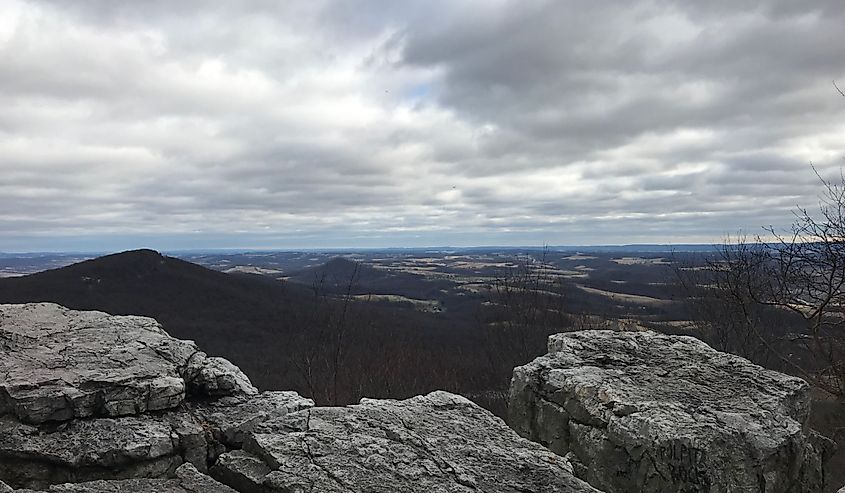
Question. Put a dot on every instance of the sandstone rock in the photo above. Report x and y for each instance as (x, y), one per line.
(434, 443)
(644, 412)
(187, 480)
(59, 364)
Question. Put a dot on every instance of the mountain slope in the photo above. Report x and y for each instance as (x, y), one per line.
(283, 335)
(233, 316)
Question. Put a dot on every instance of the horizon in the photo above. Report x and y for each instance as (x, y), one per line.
(656, 247)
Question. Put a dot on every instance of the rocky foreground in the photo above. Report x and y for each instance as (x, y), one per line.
(645, 412)
(91, 402)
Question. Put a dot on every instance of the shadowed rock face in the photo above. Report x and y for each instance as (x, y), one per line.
(645, 412)
(439, 442)
(186, 480)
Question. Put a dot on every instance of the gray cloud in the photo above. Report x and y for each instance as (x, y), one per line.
(372, 123)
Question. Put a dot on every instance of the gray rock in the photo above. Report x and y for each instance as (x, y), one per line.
(88, 396)
(107, 448)
(231, 418)
(435, 443)
(59, 364)
(645, 412)
(219, 377)
(143, 446)
(242, 471)
(193, 481)
(187, 480)
(5, 488)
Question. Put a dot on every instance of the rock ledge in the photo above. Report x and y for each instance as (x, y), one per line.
(645, 412)
(87, 396)
(439, 442)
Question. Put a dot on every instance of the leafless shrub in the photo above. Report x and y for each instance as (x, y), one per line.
(782, 299)
(528, 305)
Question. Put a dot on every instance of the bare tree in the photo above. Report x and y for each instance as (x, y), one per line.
(322, 344)
(804, 272)
(527, 302)
(781, 298)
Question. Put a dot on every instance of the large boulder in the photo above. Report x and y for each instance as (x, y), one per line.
(89, 396)
(645, 412)
(61, 364)
(435, 443)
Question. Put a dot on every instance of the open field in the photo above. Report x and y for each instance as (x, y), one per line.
(454, 282)
(623, 297)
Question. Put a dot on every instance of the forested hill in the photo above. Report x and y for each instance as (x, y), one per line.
(230, 315)
(283, 334)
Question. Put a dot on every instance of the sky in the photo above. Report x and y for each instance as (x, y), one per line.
(296, 124)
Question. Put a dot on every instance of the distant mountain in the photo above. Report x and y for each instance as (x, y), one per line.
(282, 334)
(339, 271)
(230, 315)
(336, 275)
(259, 323)
(641, 248)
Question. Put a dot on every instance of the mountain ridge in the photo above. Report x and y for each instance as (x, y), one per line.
(226, 314)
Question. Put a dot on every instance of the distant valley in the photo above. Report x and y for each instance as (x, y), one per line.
(410, 320)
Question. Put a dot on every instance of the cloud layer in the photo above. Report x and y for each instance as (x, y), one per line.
(320, 123)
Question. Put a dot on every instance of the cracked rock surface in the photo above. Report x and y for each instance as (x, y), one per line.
(91, 402)
(439, 442)
(87, 396)
(61, 364)
(186, 479)
(646, 412)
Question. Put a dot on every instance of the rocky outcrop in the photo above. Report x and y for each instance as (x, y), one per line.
(186, 480)
(60, 364)
(90, 396)
(439, 442)
(91, 402)
(644, 412)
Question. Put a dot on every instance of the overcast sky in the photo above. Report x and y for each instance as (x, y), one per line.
(195, 124)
